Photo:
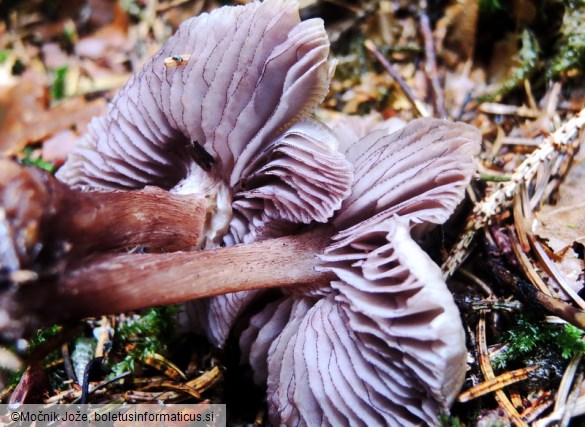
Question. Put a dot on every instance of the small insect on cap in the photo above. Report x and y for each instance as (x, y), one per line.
(208, 112)
(177, 60)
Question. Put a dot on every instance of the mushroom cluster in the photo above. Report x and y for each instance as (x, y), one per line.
(363, 329)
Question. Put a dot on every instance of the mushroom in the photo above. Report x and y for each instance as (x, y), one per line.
(228, 126)
(210, 127)
(383, 344)
(366, 328)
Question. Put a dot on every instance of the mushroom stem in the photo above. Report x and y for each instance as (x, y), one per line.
(151, 218)
(37, 211)
(117, 283)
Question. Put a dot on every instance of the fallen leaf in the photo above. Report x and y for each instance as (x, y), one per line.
(33, 386)
(561, 226)
(56, 148)
(25, 120)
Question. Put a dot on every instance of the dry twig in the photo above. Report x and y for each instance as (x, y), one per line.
(553, 150)
(418, 106)
(496, 383)
(431, 60)
(488, 373)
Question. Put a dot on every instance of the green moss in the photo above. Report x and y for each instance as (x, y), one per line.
(58, 86)
(527, 63)
(352, 66)
(449, 421)
(570, 341)
(532, 339)
(571, 47)
(44, 336)
(490, 6)
(153, 332)
(31, 158)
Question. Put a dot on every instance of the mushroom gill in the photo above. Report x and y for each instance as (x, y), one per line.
(384, 343)
(211, 126)
(366, 330)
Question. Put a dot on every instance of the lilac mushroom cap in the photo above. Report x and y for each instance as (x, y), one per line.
(350, 128)
(231, 124)
(303, 158)
(384, 345)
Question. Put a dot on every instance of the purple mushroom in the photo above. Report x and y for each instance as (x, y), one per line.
(231, 124)
(365, 330)
(383, 344)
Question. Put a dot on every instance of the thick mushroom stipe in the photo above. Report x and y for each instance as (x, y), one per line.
(37, 211)
(45, 226)
(115, 283)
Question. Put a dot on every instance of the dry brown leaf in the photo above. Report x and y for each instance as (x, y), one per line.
(564, 223)
(26, 121)
(56, 148)
(561, 226)
(21, 103)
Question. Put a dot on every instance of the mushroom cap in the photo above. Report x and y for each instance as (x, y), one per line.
(419, 172)
(349, 128)
(219, 124)
(385, 344)
(253, 71)
(303, 180)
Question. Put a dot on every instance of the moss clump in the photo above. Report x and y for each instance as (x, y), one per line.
(532, 340)
(571, 46)
(153, 332)
(527, 63)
